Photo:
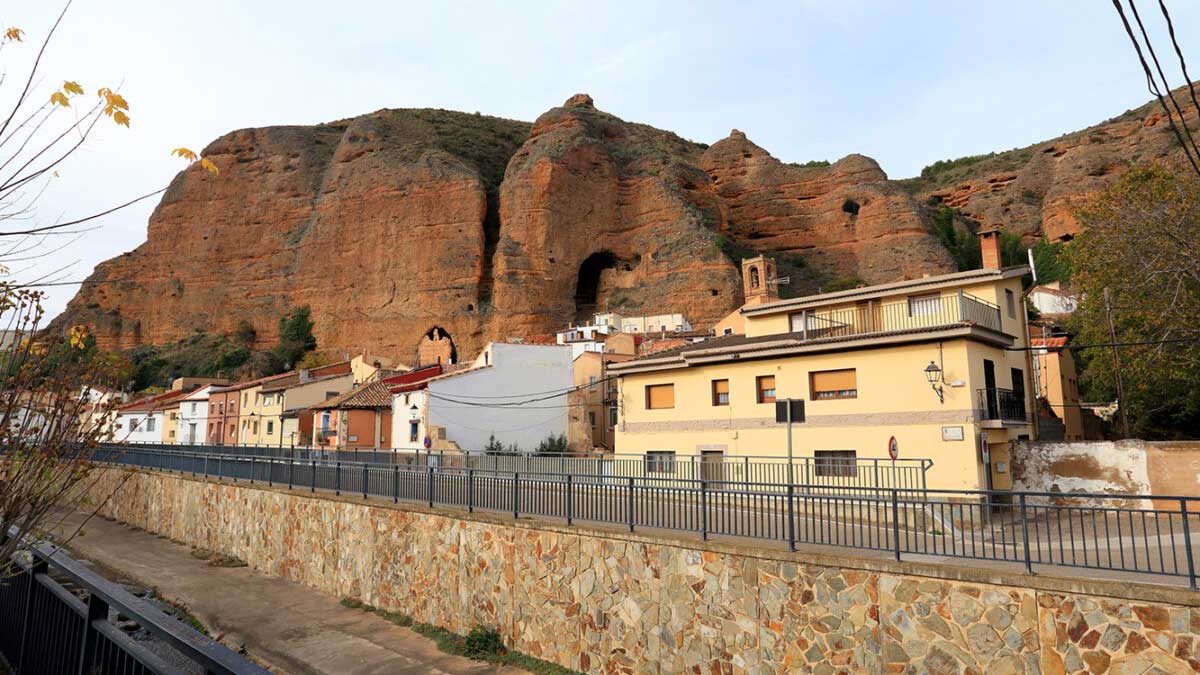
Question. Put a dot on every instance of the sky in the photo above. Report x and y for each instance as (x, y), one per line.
(904, 83)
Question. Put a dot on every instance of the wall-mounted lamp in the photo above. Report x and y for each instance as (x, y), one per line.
(934, 375)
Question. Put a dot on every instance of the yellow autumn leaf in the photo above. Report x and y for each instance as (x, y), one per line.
(79, 335)
(60, 98)
(121, 118)
(209, 166)
(184, 153)
(14, 34)
(72, 87)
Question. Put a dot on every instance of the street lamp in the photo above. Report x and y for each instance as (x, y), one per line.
(934, 375)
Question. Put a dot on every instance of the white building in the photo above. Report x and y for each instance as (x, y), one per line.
(585, 338)
(142, 421)
(516, 392)
(653, 323)
(193, 416)
(1051, 299)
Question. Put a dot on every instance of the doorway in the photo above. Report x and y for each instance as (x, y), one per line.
(989, 388)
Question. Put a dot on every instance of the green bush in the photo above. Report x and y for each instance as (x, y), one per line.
(482, 643)
(553, 445)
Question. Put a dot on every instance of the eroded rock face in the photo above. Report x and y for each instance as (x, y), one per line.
(394, 223)
(846, 220)
(596, 213)
(1035, 190)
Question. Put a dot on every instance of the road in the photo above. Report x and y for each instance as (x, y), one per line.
(287, 627)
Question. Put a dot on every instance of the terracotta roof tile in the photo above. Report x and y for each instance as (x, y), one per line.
(373, 395)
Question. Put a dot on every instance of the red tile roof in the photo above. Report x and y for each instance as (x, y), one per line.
(373, 395)
(158, 402)
(1050, 342)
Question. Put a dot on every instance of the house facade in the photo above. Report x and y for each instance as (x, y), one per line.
(938, 363)
(144, 421)
(410, 409)
(492, 397)
(193, 416)
(360, 419)
(297, 396)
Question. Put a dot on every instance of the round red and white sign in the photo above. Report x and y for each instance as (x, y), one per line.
(893, 448)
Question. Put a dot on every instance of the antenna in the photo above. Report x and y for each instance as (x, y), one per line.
(1032, 267)
(781, 281)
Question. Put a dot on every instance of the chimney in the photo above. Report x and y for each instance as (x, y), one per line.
(989, 246)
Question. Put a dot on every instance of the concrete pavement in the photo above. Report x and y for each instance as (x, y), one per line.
(287, 627)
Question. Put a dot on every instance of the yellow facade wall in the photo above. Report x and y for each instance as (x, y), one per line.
(894, 399)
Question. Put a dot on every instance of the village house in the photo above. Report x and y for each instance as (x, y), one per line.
(492, 397)
(360, 419)
(193, 416)
(938, 363)
(155, 419)
(293, 397)
(143, 421)
(410, 410)
(100, 410)
(654, 323)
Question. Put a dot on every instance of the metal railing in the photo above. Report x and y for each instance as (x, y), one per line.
(910, 314)
(720, 472)
(47, 629)
(1149, 535)
(1005, 405)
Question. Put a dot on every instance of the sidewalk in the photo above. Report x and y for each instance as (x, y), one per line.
(287, 627)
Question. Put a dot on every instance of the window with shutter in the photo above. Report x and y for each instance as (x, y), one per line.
(720, 392)
(766, 388)
(660, 396)
(924, 305)
(828, 384)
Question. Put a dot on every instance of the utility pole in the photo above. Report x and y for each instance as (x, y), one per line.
(1112, 336)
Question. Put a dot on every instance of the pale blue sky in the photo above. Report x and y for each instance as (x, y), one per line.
(906, 83)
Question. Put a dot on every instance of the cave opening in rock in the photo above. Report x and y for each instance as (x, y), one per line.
(587, 285)
(850, 206)
(436, 347)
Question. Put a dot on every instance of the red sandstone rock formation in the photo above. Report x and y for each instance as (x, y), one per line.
(1035, 190)
(401, 221)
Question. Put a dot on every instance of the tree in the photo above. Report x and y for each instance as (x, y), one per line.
(50, 423)
(553, 445)
(1141, 240)
(295, 337)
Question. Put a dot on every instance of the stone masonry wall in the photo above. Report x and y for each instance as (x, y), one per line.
(606, 602)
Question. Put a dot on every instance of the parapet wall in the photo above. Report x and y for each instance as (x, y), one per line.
(605, 602)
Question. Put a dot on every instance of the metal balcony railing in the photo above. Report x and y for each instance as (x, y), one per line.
(913, 313)
(1004, 405)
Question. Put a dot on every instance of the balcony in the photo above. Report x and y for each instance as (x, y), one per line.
(1001, 405)
(911, 314)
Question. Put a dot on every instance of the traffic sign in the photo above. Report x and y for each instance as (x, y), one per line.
(893, 448)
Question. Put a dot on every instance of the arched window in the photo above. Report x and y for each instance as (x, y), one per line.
(754, 277)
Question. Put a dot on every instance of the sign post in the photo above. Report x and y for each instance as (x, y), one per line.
(790, 410)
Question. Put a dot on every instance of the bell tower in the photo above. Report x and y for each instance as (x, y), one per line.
(759, 283)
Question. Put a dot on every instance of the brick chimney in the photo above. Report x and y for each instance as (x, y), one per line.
(989, 246)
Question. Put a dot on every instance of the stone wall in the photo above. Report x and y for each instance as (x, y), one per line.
(606, 602)
(1114, 467)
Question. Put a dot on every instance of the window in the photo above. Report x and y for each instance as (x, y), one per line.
(592, 419)
(727, 331)
(720, 392)
(171, 434)
(325, 421)
(222, 407)
(1010, 301)
(193, 408)
(256, 427)
(1018, 386)
(330, 394)
(924, 305)
(150, 424)
(834, 384)
(414, 429)
(765, 385)
(612, 416)
(660, 396)
(212, 408)
(592, 382)
(754, 278)
(270, 427)
(660, 461)
(835, 463)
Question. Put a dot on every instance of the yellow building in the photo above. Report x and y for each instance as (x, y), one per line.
(863, 361)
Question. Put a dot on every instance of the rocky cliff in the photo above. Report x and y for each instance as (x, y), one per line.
(394, 223)
(1035, 190)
